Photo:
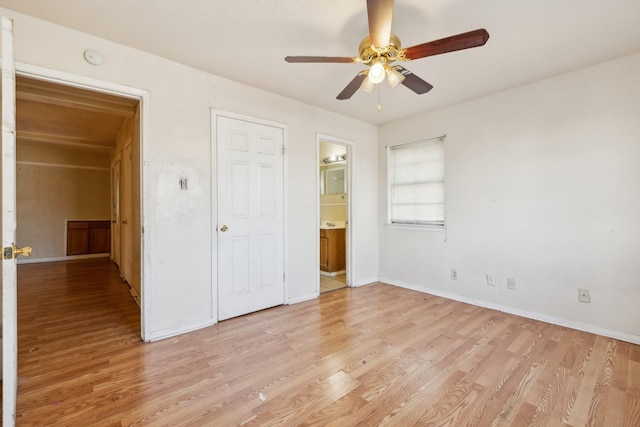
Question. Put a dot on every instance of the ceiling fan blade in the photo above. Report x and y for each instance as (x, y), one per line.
(448, 44)
(303, 59)
(380, 15)
(352, 87)
(413, 82)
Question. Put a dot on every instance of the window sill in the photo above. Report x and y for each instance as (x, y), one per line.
(417, 227)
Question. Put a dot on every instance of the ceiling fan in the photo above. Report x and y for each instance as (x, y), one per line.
(381, 49)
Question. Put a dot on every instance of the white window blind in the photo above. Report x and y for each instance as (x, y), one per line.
(416, 183)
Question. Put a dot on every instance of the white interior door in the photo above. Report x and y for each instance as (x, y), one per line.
(9, 278)
(250, 216)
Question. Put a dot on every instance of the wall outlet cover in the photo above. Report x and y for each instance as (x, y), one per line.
(491, 281)
(511, 283)
(454, 274)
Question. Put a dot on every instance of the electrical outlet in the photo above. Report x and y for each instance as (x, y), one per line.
(454, 274)
(511, 283)
(583, 295)
(491, 281)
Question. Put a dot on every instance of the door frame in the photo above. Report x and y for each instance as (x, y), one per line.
(349, 185)
(215, 113)
(9, 341)
(73, 80)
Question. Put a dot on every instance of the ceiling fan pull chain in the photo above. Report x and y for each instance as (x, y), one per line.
(379, 103)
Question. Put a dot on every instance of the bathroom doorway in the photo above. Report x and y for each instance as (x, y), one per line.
(334, 211)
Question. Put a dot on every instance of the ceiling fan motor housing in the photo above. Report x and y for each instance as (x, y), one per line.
(368, 53)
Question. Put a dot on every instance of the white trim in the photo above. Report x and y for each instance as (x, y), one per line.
(250, 119)
(9, 272)
(215, 113)
(623, 336)
(61, 165)
(78, 81)
(172, 332)
(61, 258)
(145, 200)
(416, 227)
(304, 298)
(332, 273)
(213, 177)
(366, 282)
(75, 80)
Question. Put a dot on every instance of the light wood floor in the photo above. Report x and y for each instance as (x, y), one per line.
(375, 355)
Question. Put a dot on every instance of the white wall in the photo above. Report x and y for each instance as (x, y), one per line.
(179, 139)
(542, 185)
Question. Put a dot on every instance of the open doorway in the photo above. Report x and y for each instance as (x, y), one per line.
(78, 175)
(334, 212)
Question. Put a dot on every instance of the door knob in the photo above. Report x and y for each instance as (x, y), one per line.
(26, 251)
(224, 228)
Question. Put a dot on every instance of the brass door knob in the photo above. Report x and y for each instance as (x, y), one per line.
(26, 251)
(224, 228)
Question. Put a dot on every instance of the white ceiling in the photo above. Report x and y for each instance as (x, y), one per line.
(246, 41)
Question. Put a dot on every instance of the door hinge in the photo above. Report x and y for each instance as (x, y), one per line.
(284, 150)
(284, 276)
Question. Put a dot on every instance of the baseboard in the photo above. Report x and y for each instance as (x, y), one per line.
(172, 332)
(61, 258)
(365, 282)
(333, 273)
(622, 336)
(303, 298)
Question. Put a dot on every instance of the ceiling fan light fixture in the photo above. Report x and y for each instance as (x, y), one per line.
(367, 85)
(376, 73)
(394, 77)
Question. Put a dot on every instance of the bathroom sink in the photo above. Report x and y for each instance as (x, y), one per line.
(327, 225)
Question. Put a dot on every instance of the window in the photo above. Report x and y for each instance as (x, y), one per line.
(416, 183)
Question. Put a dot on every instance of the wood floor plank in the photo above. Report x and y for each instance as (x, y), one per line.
(374, 355)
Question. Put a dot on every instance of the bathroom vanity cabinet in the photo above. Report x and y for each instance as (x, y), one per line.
(332, 250)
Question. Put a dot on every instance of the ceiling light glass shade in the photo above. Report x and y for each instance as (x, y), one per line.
(394, 77)
(367, 85)
(376, 73)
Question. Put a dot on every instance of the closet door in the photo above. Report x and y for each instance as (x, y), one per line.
(250, 217)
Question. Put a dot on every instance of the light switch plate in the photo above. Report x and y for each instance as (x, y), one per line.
(583, 295)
